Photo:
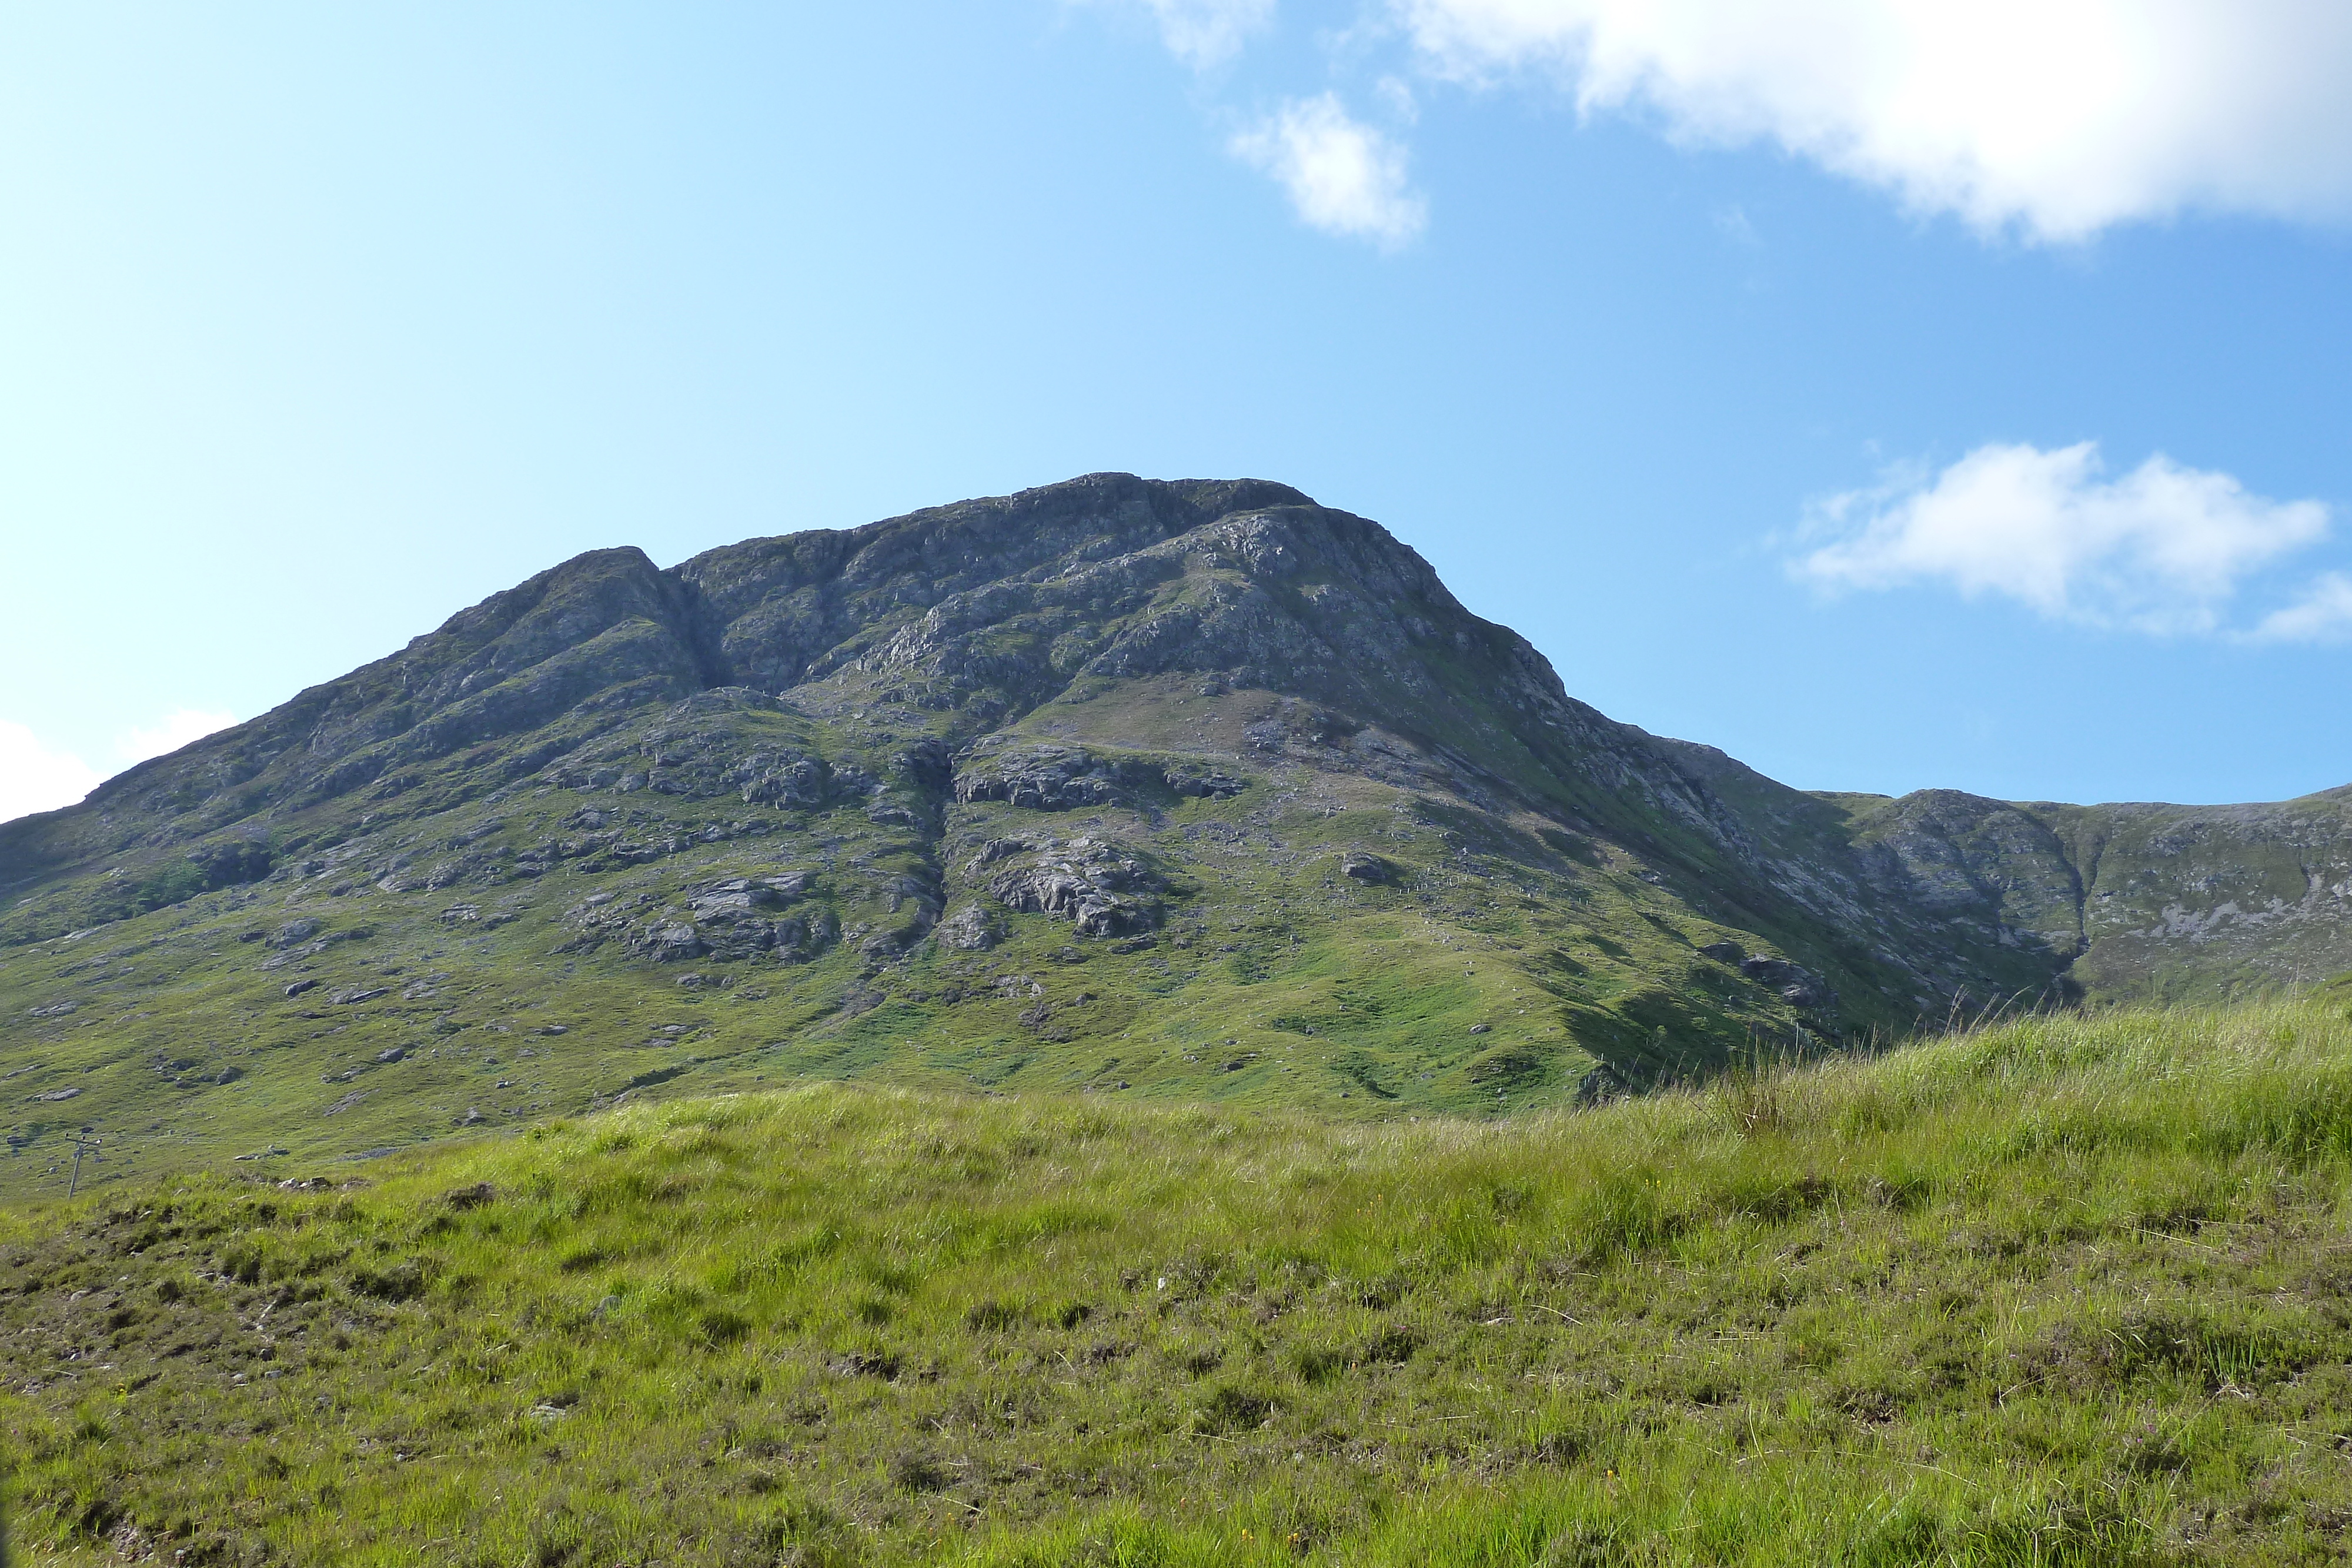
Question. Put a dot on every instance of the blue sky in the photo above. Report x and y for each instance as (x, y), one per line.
(1748, 376)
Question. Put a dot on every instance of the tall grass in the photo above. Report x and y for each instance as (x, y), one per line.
(2062, 1289)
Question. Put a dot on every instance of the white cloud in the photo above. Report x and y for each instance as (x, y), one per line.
(1206, 32)
(2159, 549)
(2061, 117)
(38, 776)
(177, 731)
(2321, 614)
(1345, 177)
(35, 777)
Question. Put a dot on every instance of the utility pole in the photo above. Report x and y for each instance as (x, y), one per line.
(81, 1144)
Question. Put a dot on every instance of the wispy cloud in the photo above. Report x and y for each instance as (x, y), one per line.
(2163, 549)
(176, 731)
(2322, 614)
(35, 776)
(1343, 176)
(1204, 34)
(2057, 118)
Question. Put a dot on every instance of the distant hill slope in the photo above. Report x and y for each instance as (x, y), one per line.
(1180, 789)
(2157, 903)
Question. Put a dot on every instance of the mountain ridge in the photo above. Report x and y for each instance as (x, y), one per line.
(1197, 778)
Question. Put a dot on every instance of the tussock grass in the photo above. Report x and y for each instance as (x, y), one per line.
(2066, 1290)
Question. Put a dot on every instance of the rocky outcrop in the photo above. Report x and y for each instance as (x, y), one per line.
(1102, 888)
(1052, 778)
(1048, 778)
(1795, 985)
(1273, 635)
(971, 929)
(736, 920)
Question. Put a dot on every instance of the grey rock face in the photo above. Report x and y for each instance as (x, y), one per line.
(1061, 778)
(1050, 778)
(737, 919)
(1799, 986)
(969, 929)
(231, 863)
(773, 779)
(1302, 642)
(1103, 889)
(295, 932)
(1204, 783)
(741, 898)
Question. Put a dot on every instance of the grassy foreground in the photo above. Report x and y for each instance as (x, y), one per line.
(2068, 1291)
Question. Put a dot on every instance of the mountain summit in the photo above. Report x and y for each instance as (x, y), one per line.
(1191, 789)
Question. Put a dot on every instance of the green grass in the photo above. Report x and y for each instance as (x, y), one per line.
(1489, 975)
(2069, 1289)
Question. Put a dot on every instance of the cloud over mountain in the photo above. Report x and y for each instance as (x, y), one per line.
(39, 776)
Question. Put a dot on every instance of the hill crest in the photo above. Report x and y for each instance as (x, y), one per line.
(1188, 789)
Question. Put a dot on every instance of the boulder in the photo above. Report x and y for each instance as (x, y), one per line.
(1600, 1086)
(971, 929)
(674, 942)
(1102, 889)
(1050, 778)
(1204, 784)
(787, 780)
(1798, 986)
(296, 932)
(231, 863)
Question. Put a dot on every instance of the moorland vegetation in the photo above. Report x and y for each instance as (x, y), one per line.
(2060, 1289)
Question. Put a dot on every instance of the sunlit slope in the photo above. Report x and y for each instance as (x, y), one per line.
(368, 997)
(2069, 1289)
(1191, 790)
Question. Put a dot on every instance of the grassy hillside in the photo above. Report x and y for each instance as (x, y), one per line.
(2066, 1290)
(363, 996)
(1173, 793)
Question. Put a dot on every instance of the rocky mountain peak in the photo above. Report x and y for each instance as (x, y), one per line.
(1199, 770)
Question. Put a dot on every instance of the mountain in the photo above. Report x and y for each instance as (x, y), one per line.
(1191, 790)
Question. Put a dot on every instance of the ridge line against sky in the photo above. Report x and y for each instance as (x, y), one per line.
(2033, 122)
(1938, 370)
